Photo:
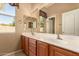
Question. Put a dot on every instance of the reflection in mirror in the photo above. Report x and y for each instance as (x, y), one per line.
(51, 25)
(66, 19)
(43, 17)
(29, 23)
(42, 24)
(34, 24)
(70, 22)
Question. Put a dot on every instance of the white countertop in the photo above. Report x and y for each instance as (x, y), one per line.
(69, 42)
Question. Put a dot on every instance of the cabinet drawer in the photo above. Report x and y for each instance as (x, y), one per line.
(32, 41)
(64, 52)
(31, 44)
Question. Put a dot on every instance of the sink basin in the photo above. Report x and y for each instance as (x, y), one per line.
(62, 41)
(50, 38)
(59, 41)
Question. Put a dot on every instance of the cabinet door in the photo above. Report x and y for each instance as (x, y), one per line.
(22, 42)
(26, 48)
(63, 52)
(58, 54)
(51, 50)
(42, 49)
(32, 47)
(68, 23)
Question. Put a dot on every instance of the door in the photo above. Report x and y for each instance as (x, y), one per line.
(52, 25)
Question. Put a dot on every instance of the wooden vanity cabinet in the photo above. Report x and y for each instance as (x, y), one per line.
(51, 50)
(42, 48)
(25, 44)
(64, 52)
(32, 47)
(57, 51)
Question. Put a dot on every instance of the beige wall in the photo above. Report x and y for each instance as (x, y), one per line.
(21, 12)
(8, 43)
(57, 10)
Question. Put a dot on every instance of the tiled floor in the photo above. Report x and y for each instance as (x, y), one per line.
(19, 54)
(15, 54)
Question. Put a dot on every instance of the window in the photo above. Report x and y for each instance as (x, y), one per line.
(7, 19)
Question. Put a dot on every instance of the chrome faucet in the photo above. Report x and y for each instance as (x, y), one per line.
(58, 36)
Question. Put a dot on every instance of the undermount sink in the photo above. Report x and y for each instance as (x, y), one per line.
(51, 39)
(62, 41)
(59, 41)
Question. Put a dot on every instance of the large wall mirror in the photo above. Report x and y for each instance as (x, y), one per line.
(60, 18)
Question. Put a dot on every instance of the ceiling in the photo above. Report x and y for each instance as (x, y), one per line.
(39, 6)
(60, 8)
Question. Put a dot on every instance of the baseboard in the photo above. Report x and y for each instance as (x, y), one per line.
(11, 53)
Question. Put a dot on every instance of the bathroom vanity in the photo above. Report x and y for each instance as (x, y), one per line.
(43, 44)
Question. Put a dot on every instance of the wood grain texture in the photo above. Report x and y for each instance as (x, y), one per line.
(32, 47)
(42, 48)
